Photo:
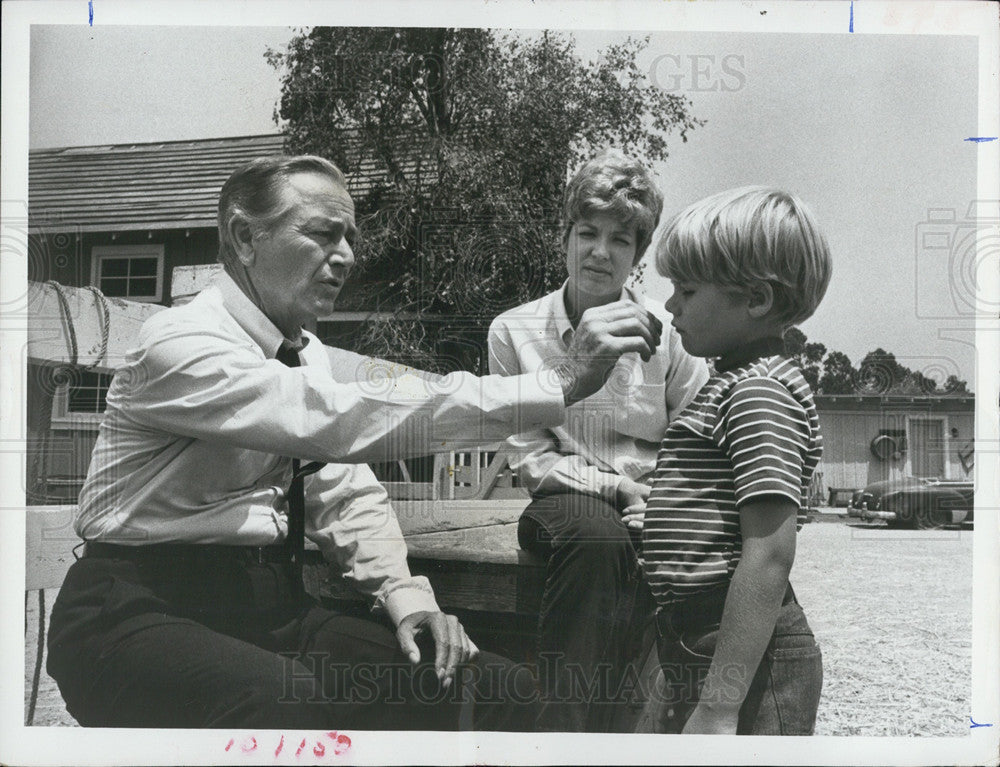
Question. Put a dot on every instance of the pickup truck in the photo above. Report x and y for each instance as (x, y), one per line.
(915, 502)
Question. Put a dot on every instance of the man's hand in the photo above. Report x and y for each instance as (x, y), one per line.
(604, 334)
(631, 501)
(451, 644)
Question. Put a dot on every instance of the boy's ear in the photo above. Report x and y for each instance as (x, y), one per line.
(760, 299)
(241, 236)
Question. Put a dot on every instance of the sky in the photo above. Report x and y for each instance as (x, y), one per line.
(868, 129)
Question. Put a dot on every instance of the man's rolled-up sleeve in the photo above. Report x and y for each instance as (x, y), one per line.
(350, 518)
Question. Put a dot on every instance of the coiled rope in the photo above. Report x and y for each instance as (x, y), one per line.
(102, 303)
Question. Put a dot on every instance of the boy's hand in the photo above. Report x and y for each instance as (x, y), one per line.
(708, 721)
(631, 501)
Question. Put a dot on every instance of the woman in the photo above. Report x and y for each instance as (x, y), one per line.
(588, 477)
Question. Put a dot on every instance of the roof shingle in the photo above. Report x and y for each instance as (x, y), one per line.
(161, 185)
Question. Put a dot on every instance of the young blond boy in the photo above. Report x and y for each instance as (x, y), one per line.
(729, 492)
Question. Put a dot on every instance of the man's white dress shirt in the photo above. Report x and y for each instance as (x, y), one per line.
(202, 421)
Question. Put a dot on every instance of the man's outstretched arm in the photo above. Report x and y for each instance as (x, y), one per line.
(191, 380)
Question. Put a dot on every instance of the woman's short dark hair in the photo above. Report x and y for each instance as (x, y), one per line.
(617, 185)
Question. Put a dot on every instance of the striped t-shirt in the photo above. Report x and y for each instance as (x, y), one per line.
(751, 432)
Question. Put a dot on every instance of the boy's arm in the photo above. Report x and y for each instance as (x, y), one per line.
(750, 612)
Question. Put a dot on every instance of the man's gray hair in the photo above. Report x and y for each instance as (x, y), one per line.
(254, 192)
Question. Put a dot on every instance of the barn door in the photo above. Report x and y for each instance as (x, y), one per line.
(927, 449)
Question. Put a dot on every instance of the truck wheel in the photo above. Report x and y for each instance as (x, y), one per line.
(931, 519)
(905, 517)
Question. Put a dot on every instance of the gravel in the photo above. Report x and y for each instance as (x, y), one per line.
(892, 612)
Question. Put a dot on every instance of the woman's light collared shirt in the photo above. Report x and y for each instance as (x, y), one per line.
(613, 434)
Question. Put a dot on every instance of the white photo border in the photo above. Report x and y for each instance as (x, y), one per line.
(39, 745)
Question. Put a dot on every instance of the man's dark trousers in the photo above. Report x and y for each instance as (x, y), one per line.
(210, 636)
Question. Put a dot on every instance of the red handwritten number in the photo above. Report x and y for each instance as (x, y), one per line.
(341, 744)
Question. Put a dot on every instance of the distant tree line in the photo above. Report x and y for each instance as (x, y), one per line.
(831, 372)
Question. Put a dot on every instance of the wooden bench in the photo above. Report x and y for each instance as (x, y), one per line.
(467, 549)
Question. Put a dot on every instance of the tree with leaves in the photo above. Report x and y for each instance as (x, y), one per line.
(838, 375)
(465, 138)
(879, 373)
(954, 385)
(808, 355)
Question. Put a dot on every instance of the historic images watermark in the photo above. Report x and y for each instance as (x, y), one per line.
(698, 72)
(952, 249)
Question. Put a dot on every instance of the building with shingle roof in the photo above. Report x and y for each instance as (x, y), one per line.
(139, 222)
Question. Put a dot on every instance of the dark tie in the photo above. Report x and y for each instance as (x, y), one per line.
(296, 539)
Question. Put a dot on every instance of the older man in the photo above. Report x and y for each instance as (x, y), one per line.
(187, 609)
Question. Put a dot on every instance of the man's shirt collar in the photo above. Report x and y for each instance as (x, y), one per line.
(249, 317)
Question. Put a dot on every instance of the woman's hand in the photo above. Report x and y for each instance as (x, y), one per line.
(631, 502)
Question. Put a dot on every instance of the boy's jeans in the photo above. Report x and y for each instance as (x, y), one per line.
(784, 694)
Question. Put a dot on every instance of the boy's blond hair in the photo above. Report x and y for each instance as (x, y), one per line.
(620, 186)
(746, 235)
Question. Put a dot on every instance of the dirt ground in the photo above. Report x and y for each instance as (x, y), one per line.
(892, 612)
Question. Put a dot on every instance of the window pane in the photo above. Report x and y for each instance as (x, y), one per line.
(83, 400)
(92, 380)
(90, 394)
(88, 379)
(116, 286)
(142, 287)
(143, 267)
(114, 267)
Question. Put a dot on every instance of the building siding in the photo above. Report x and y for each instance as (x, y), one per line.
(848, 461)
